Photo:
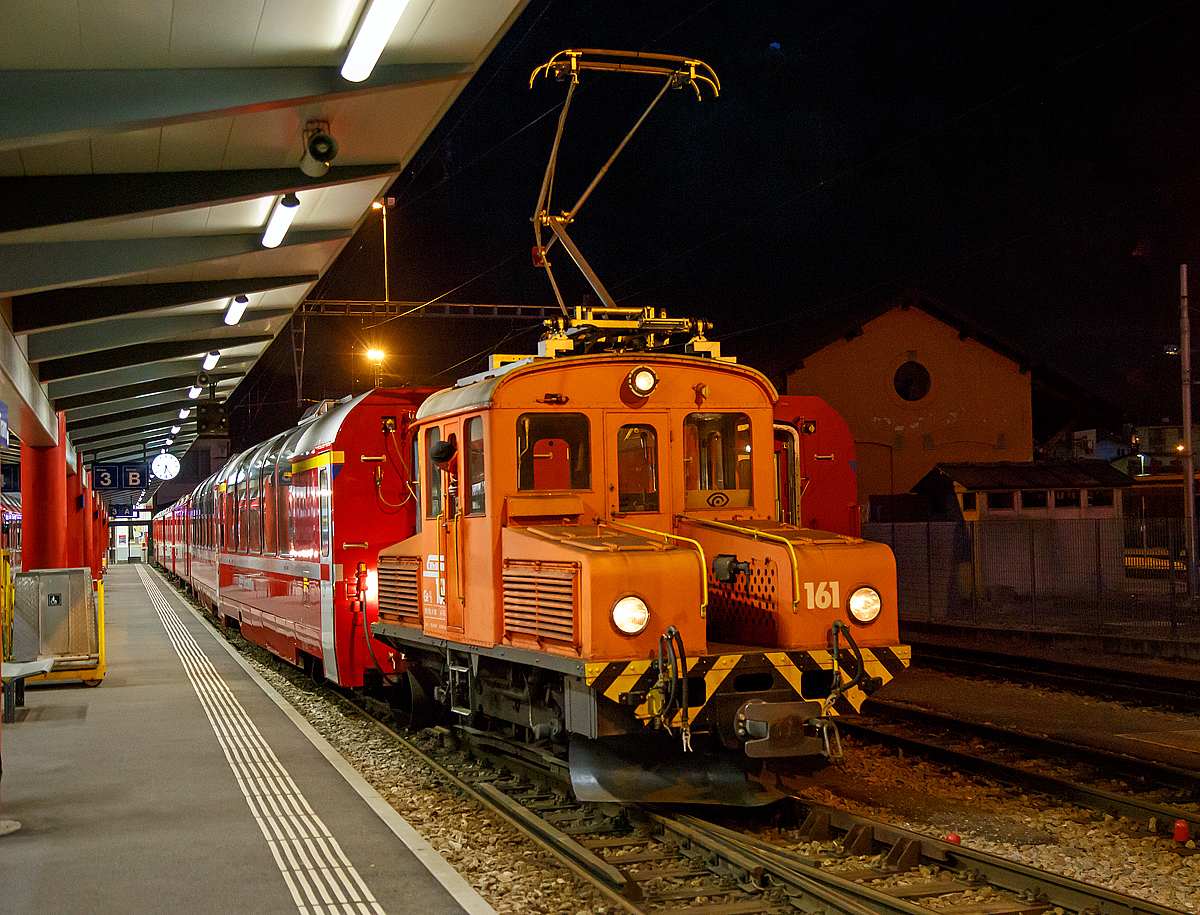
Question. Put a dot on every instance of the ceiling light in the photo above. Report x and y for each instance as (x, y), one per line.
(374, 30)
(194, 392)
(280, 220)
(210, 361)
(237, 306)
(185, 412)
(175, 430)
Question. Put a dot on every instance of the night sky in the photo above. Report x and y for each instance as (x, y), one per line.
(1034, 166)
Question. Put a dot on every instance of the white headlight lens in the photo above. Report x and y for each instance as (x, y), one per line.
(642, 381)
(630, 615)
(864, 604)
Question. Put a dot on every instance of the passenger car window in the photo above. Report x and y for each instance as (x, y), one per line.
(718, 468)
(637, 469)
(553, 452)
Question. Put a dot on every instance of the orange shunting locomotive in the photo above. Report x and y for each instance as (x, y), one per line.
(598, 556)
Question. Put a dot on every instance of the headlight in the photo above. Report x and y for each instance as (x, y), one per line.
(630, 615)
(642, 381)
(864, 604)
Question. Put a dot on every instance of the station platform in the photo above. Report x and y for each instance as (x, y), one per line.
(1172, 738)
(184, 783)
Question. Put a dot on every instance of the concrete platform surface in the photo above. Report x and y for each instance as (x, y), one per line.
(1169, 737)
(183, 783)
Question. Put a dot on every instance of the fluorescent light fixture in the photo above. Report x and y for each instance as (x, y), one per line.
(193, 392)
(374, 30)
(210, 361)
(237, 306)
(170, 441)
(280, 220)
(175, 430)
(185, 412)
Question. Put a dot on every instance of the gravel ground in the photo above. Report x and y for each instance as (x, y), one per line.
(514, 875)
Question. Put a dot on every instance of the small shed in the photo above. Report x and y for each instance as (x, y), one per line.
(1036, 530)
(1006, 490)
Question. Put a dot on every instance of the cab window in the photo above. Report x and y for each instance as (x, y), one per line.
(433, 476)
(717, 460)
(475, 478)
(637, 469)
(553, 452)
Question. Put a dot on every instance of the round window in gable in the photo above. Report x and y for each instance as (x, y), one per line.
(912, 381)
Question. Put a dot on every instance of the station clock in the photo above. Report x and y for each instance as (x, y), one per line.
(165, 466)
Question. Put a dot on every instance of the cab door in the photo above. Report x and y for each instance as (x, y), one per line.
(637, 448)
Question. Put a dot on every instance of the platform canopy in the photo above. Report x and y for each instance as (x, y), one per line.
(143, 147)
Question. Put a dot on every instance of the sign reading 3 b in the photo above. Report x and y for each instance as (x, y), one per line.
(119, 476)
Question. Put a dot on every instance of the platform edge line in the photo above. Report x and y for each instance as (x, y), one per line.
(453, 882)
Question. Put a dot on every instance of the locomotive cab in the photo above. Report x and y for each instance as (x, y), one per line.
(599, 555)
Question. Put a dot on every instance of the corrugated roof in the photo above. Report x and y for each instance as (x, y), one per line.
(1000, 475)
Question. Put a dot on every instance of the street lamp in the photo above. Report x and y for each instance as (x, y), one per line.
(376, 357)
(382, 205)
(1189, 468)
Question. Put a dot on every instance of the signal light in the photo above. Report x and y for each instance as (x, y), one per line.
(360, 580)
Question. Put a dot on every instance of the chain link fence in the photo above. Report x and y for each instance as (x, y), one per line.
(1089, 577)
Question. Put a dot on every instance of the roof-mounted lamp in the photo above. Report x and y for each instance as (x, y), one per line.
(374, 29)
(642, 381)
(185, 412)
(235, 310)
(210, 361)
(280, 220)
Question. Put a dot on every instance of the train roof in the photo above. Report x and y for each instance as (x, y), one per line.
(480, 391)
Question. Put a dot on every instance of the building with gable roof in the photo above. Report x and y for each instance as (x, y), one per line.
(920, 385)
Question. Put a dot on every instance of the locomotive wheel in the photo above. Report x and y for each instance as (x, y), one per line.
(413, 703)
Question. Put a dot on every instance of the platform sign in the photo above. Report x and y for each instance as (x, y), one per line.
(106, 476)
(119, 476)
(134, 476)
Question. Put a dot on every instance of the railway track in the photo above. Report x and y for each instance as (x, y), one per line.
(1142, 689)
(1138, 770)
(649, 860)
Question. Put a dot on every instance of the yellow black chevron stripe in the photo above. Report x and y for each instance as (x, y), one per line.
(613, 678)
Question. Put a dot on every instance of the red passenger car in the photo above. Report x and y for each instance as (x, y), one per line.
(282, 540)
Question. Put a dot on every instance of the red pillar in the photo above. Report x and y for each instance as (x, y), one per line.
(89, 525)
(102, 536)
(75, 520)
(44, 504)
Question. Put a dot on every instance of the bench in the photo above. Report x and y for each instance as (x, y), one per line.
(13, 673)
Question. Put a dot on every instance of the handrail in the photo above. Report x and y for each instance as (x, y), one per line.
(758, 535)
(448, 527)
(665, 536)
(7, 600)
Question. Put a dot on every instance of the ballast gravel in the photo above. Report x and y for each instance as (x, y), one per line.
(514, 875)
